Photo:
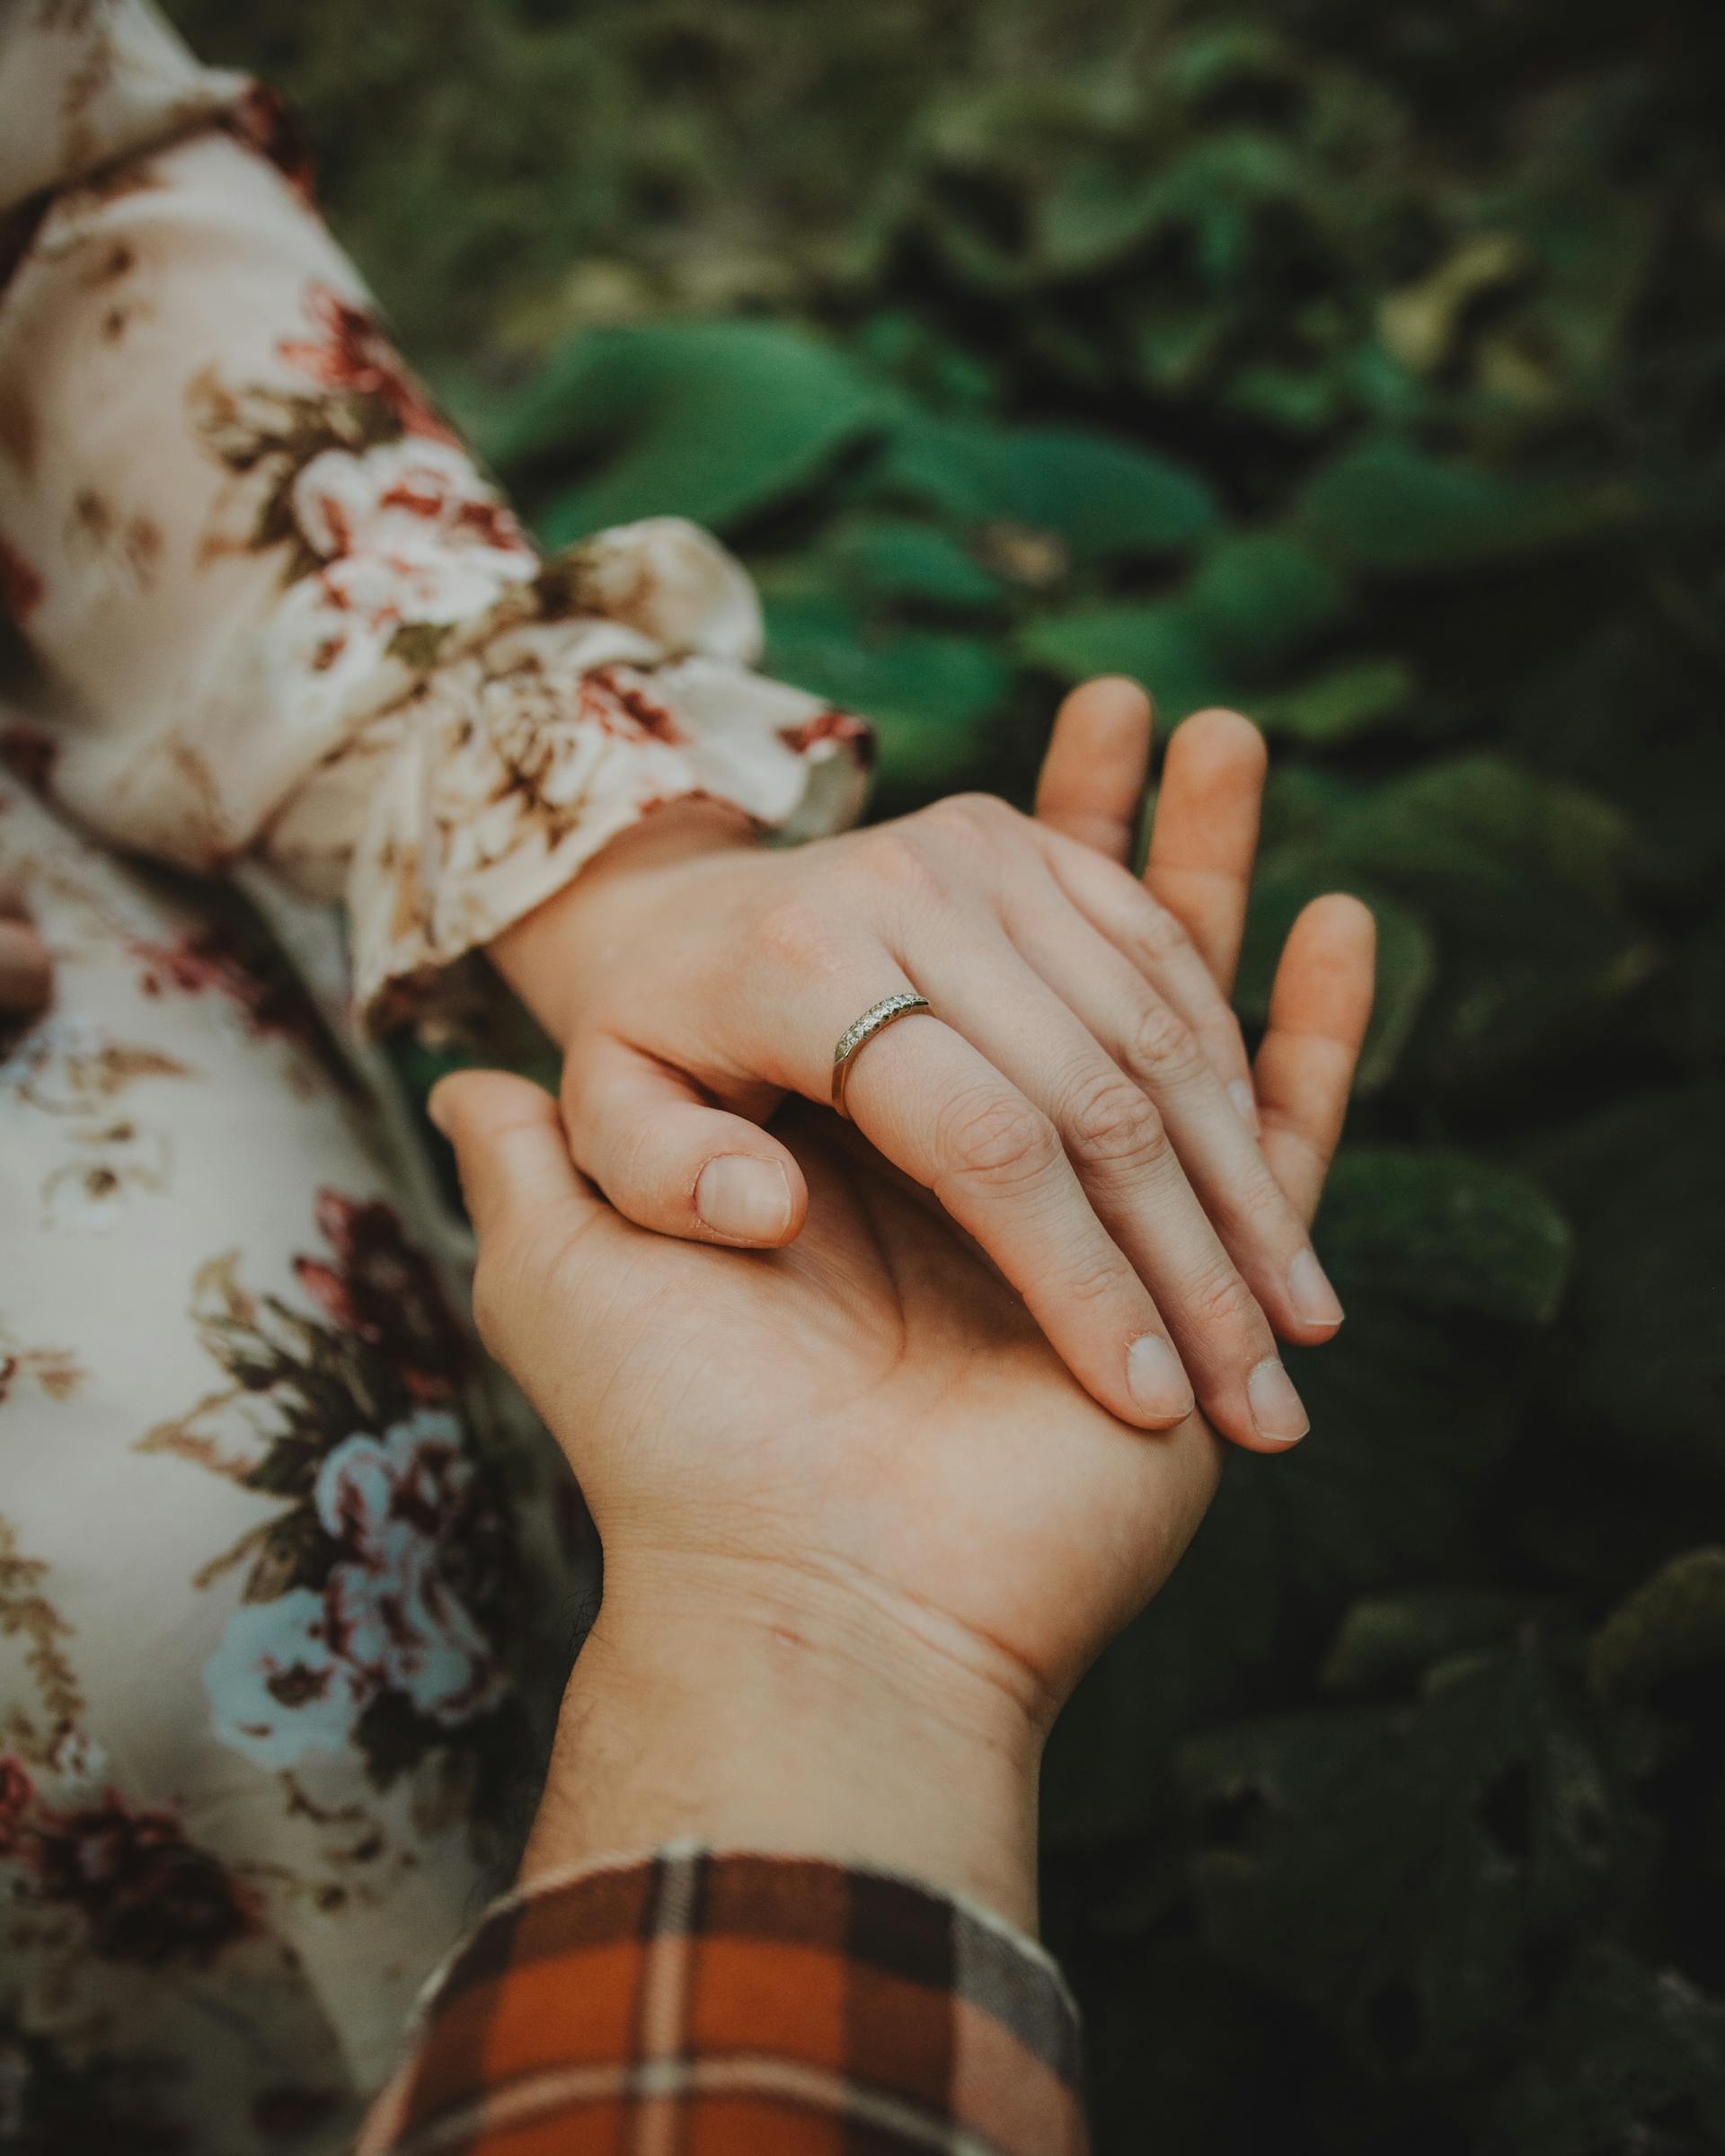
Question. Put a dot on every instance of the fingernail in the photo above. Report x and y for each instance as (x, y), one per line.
(434, 1108)
(1245, 1104)
(1276, 1407)
(744, 1197)
(1314, 1300)
(1157, 1382)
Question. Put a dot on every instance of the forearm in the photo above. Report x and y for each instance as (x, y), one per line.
(778, 1831)
(786, 1715)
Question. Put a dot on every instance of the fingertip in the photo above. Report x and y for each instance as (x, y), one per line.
(1335, 936)
(1162, 1393)
(1221, 740)
(1110, 718)
(511, 1151)
(1330, 963)
(449, 1103)
(1279, 1416)
(1098, 758)
(755, 1200)
(485, 1103)
(1114, 700)
(1344, 919)
(438, 1106)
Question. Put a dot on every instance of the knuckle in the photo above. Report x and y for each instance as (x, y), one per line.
(1219, 1298)
(1161, 934)
(895, 857)
(974, 821)
(1110, 1122)
(1160, 1044)
(993, 1138)
(983, 811)
(1091, 1283)
(1263, 1208)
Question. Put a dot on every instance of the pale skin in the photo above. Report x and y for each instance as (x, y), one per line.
(862, 1528)
(1078, 1100)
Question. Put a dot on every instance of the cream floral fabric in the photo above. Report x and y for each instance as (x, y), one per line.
(278, 610)
(283, 1604)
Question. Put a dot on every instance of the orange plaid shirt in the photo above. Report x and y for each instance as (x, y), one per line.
(741, 2005)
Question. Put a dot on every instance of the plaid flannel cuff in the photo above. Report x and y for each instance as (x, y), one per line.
(712, 2003)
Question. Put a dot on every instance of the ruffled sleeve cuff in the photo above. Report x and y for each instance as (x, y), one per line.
(616, 680)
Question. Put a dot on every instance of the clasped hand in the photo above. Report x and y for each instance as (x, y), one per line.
(1078, 1099)
(849, 1477)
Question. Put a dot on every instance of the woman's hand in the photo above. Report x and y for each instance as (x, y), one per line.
(861, 1444)
(1078, 1099)
(26, 970)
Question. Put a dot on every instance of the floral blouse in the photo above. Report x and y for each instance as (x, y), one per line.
(278, 612)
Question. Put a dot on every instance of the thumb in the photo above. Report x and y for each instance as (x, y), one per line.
(669, 1162)
(509, 1148)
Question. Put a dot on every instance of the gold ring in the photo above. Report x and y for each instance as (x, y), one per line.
(875, 1020)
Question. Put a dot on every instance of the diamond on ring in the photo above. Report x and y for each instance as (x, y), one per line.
(873, 1020)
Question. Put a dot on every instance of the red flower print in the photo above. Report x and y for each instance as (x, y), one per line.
(212, 961)
(195, 964)
(149, 1896)
(16, 1791)
(492, 522)
(356, 355)
(843, 728)
(405, 509)
(261, 120)
(618, 699)
(21, 589)
(383, 1290)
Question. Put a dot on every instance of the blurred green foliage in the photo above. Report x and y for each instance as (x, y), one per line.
(1364, 365)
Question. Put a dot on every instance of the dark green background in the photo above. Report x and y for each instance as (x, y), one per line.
(1363, 363)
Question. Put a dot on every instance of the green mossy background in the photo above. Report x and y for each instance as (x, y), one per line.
(1363, 363)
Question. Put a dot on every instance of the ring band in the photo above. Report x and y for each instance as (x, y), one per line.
(875, 1020)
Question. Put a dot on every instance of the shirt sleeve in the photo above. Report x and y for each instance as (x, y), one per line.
(277, 609)
(782, 2005)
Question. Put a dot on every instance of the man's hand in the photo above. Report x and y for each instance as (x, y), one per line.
(1077, 1099)
(862, 1531)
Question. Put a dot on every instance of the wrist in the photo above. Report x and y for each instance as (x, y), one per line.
(729, 1703)
(537, 954)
